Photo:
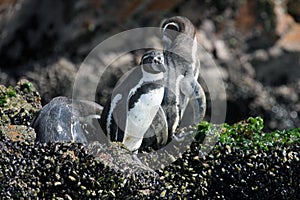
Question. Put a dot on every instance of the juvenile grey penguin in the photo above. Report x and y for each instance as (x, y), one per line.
(135, 101)
(182, 71)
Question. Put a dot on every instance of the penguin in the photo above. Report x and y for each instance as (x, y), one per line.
(157, 135)
(182, 88)
(135, 101)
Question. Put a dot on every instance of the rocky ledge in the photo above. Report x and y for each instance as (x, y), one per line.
(223, 162)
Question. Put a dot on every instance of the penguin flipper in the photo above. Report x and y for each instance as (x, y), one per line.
(157, 134)
(194, 109)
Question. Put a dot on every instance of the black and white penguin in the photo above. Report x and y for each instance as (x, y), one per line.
(182, 71)
(135, 101)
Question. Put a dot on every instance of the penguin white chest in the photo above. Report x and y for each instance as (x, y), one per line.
(140, 117)
(145, 108)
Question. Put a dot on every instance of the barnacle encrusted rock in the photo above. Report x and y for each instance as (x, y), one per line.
(118, 157)
(238, 161)
(267, 167)
(18, 106)
(18, 133)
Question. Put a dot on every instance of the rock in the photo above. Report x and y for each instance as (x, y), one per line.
(293, 8)
(259, 159)
(266, 165)
(64, 120)
(19, 105)
(290, 41)
(18, 133)
(287, 27)
(32, 44)
(255, 20)
(287, 93)
(117, 157)
(222, 51)
(54, 79)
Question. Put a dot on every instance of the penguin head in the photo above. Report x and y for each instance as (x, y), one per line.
(173, 27)
(153, 62)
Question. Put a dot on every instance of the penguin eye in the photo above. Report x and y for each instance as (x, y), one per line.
(147, 60)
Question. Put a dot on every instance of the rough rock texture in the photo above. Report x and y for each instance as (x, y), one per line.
(47, 78)
(18, 133)
(31, 169)
(20, 104)
(221, 161)
(63, 171)
(244, 163)
(254, 43)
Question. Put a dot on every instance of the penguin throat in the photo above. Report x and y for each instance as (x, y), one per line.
(149, 76)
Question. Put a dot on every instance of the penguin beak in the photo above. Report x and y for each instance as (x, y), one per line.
(159, 65)
(161, 68)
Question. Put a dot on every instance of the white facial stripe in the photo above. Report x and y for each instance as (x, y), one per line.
(171, 23)
(113, 104)
(154, 59)
(167, 42)
(145, 56)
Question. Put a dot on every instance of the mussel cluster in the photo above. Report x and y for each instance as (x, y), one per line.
(231, 173)
(244, 163)
(63, 171)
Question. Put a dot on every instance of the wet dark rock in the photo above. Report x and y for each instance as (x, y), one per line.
(256, 21)
(25, 36)
(67, 120)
